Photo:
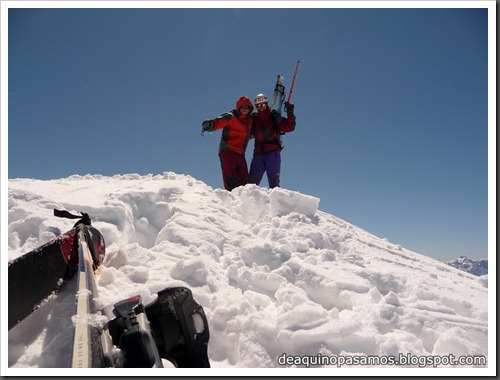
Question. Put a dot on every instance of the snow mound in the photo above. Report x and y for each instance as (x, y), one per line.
(279, 279)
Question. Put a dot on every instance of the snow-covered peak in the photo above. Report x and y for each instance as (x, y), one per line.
(275, 275)
(475, 267)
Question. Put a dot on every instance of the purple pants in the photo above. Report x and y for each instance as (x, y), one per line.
(266, 162)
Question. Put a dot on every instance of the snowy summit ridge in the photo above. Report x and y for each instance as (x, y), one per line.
(275, 275)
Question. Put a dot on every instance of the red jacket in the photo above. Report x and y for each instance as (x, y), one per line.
(236, 127)
(267, 134)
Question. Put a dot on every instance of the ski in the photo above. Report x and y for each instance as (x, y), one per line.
(87, 349)
(39, 275)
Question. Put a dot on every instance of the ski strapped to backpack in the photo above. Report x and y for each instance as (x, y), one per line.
(279, 90)
(278, 98)
(278, 93)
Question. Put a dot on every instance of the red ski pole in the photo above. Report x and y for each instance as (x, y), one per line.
(293, 81)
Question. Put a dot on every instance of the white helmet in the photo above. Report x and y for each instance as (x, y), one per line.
(260, 98)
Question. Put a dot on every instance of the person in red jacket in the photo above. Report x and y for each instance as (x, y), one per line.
(236, 127)
(267, 129)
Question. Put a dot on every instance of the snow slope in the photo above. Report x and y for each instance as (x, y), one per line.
(274, 274)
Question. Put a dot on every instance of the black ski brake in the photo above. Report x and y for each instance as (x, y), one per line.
(173, 327)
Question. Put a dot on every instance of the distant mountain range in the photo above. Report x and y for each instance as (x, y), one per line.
(476, 267)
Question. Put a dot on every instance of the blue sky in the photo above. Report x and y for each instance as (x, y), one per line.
(391, 105)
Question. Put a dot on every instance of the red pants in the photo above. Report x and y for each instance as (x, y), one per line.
(234, 169)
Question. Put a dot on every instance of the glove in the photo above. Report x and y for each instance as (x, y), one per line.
(276, 117)
(289, 108)
(208, 125)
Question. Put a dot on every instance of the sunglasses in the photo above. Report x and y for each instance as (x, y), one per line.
(248, 108)
(261, 105)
